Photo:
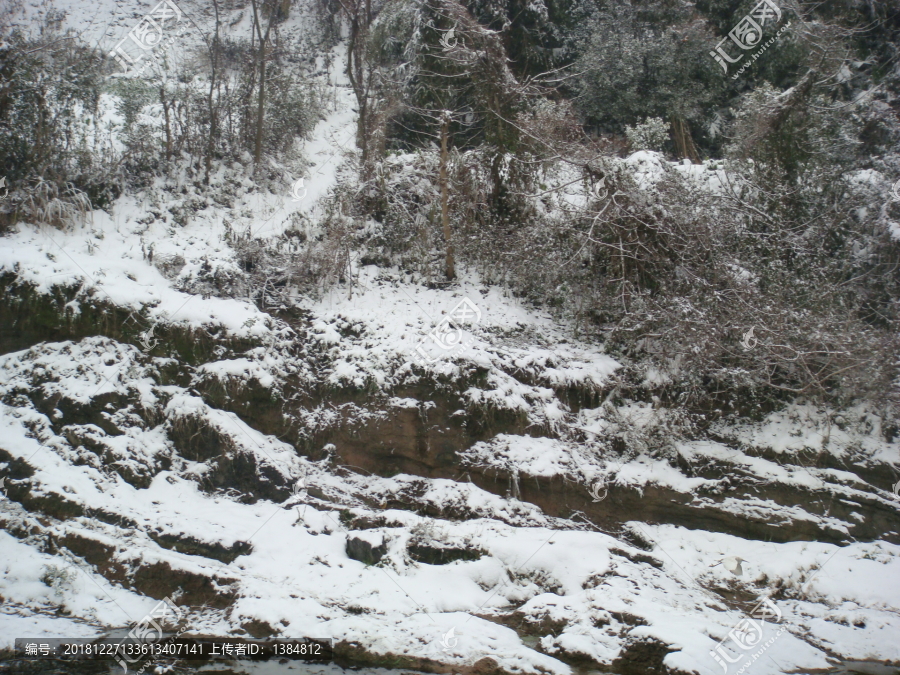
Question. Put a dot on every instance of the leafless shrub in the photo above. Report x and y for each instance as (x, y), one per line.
(169, 265)
(46, 204)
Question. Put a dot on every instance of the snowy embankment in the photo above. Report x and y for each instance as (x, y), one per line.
(105, 484)
(129, 474)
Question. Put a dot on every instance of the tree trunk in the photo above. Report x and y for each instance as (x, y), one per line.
(165, 106)
(356, 75)
(214, 61)
(260, 111)
(445, 196)
(684, 144)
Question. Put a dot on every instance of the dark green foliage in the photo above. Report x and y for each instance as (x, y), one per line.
(636, 63)
(537, 35)
(50, 86)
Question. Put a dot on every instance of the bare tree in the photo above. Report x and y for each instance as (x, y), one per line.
(450, 268)
(361, 71)
(261, 67)
(211, 108)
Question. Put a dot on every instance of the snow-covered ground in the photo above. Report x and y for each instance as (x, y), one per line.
(600, 592)
(102, 473)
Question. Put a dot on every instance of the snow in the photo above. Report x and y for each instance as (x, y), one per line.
(297, 576)
(539, 564)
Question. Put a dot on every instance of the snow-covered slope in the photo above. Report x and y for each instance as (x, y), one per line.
(305, 473)
(137, 487)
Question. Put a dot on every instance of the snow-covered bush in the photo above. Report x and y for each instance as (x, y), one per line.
(650, 134)
(55, 160)
(640, 60)
(58, 578)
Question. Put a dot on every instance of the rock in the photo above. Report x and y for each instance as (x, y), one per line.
(259, 629)
(642, 657)
(367, 547)
(433, 554)
(485, 666)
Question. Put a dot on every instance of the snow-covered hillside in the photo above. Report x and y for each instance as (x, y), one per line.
(321, 469)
